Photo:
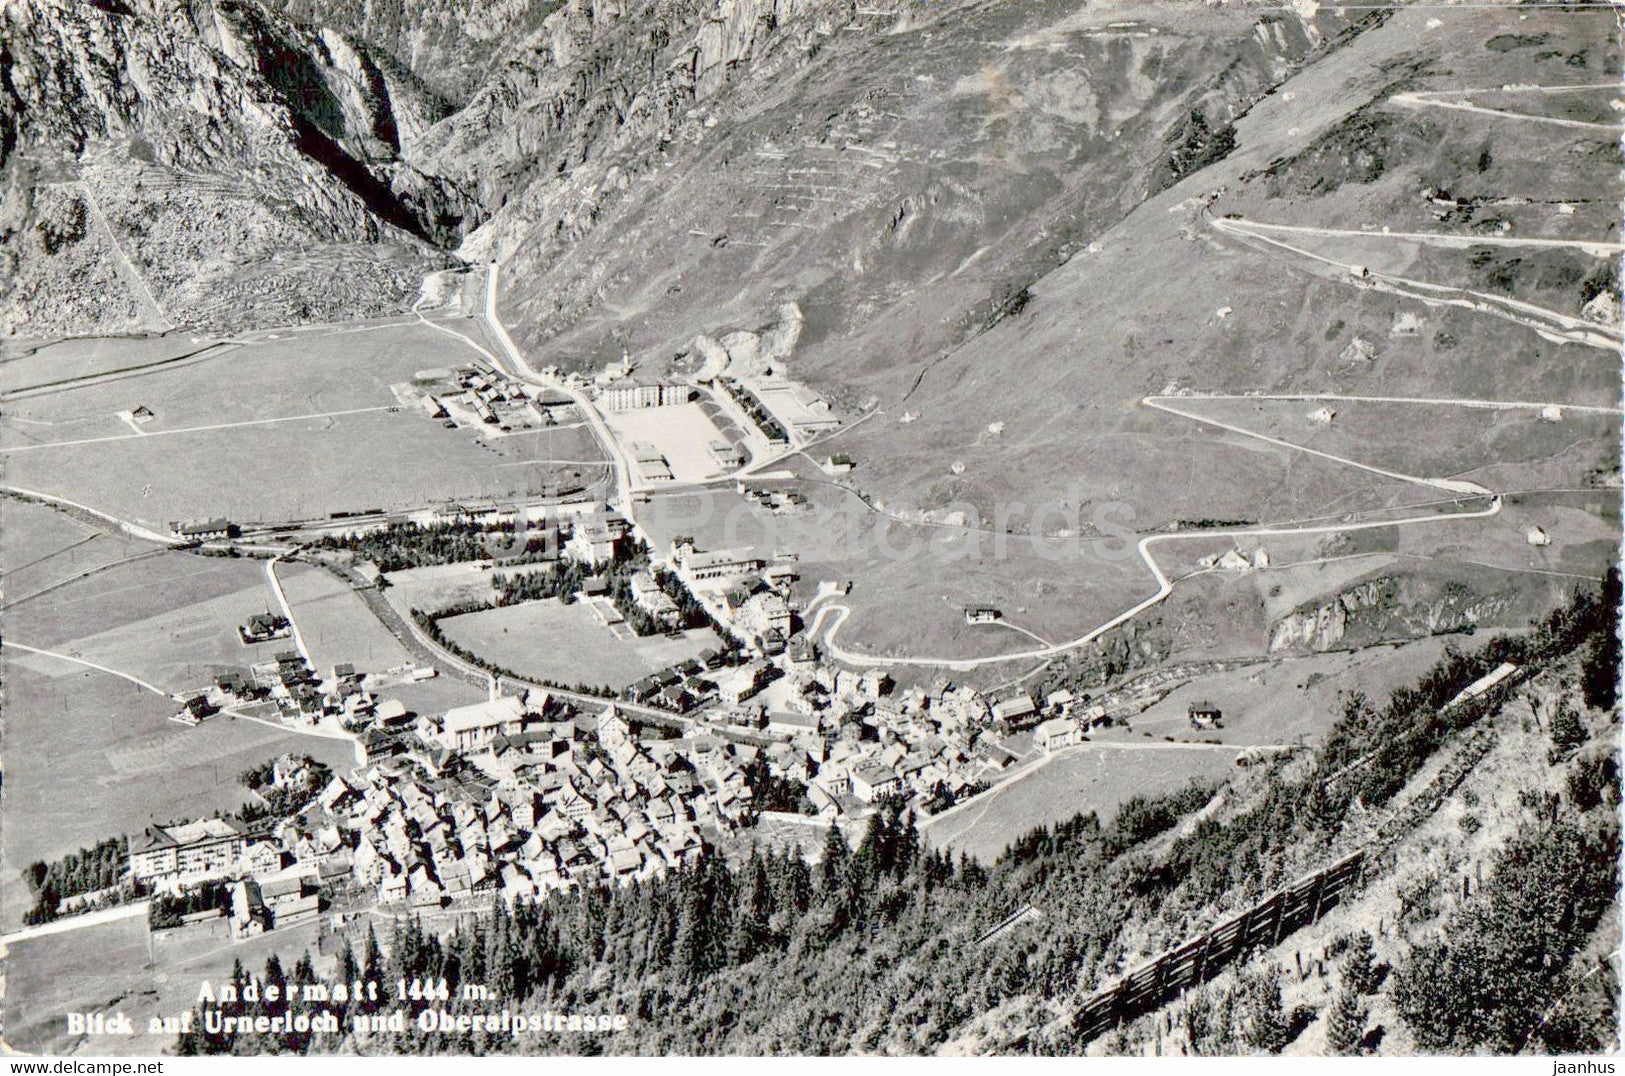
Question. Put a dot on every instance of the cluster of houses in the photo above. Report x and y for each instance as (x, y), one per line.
(747, 595)
(514, 797)
(470, 396)
(302, 697)
(780, 502)
(519, 795)
(273, 882)
(852, 739)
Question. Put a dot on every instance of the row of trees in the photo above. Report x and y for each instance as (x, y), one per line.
(89, 870)
(398, 546)
(171, 909)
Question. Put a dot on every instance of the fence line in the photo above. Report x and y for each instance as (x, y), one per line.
(1158, 981)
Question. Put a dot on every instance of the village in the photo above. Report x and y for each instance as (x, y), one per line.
(552, 781)
(536, 789)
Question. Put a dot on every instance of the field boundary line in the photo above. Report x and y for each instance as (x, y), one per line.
(136, 680)
(145, 435)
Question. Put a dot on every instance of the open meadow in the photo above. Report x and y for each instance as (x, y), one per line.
(335, 624)
(305, 425)
(568, 644)
(1290, 702)
(121, 967)
(1439, 440)
(438, 586)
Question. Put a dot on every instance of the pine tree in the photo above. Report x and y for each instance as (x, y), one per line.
(1345, 1022)
(1267, 1028)
(1567, 731)
(1599, 678)
(372, 973)
(1360, 965)
(832, 868)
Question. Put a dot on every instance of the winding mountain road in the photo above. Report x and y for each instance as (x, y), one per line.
(828, 616)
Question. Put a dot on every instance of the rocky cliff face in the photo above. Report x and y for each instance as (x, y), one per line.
(209, 139)
(1387, 609)
(450, 46)
(606, 147)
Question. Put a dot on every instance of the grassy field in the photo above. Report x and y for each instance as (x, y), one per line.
(438, 585)
(90, 970)
(335, 624)
(303, 469)
(41, 548)
(1282, 702)
(1079, 780)
(1286, 702)
(301, 372)
(154, 586)
(183, 649)
(335, 429)
(567, 643)
(116, 967)
(30, 534)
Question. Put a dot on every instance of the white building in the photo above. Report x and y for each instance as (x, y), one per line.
(1056, 733)
(632, 395)
(471, 728)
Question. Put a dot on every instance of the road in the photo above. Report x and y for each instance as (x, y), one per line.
(136, 680)
(1549, 323)
(1432, 401)
(517, 366)
(94, 517)
(1438, 99)
(287, 608)
(1598, 247)
(837, 614)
